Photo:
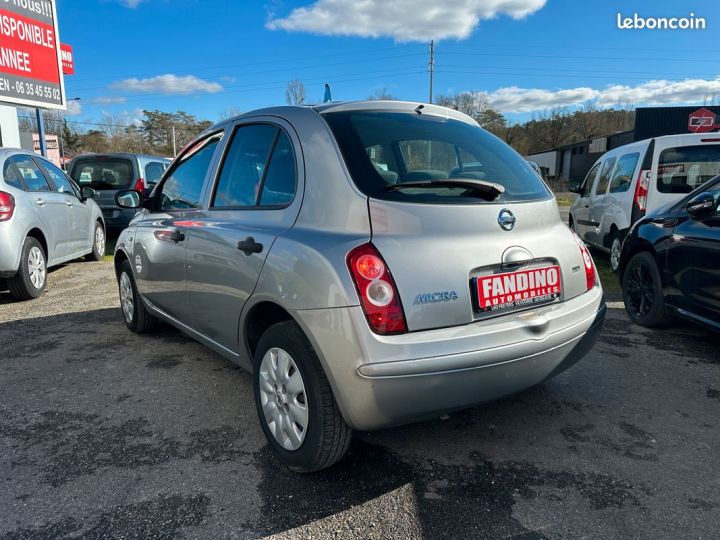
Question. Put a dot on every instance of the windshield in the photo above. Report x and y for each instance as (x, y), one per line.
(103, 173)
(383, 149)
(681, 170)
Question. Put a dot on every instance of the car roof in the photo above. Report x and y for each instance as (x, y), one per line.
(121, 154)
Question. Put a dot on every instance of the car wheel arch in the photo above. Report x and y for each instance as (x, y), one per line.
(38, 235)
(258, 319)
(118, 259)
(638, 246)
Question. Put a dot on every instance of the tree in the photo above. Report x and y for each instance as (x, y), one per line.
(381, 94)
(295, 92)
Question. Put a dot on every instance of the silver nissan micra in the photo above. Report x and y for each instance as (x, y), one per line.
(371, 263)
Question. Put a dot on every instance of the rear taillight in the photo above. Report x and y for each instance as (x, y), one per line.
(377, 291)
(588, 264)
(7, 206)
(641, 191)
(140, 185)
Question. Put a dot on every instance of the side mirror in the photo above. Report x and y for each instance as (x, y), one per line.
(575, 188)
(701, 206)
(128, 198)
(87, 193)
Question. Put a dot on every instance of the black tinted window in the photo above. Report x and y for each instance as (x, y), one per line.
(30, 172)
(103, 172)
(244, 166)
(385, 148)
(279, 184)
(681, 170)
(10, 175)
(183, 188)
(623, 175)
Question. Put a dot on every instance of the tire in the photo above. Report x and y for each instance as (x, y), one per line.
(136, 316)
(325, 437)
(642, 292)
(99, 243)
(616, 241)
(31, 277)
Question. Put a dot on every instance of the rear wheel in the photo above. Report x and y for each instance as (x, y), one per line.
(295, 403)
(642, 291)
(137, 318)
(98, 248)
(30, 280)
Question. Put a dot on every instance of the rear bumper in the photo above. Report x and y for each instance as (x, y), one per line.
(10, 247)
(381, 381)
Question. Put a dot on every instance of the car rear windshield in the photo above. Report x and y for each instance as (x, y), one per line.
(103, 173)
(386, 148)
(682, 169)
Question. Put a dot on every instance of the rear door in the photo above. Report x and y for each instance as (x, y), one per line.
(161, 234)
(49, 205)
(693, 260)
(251, 204)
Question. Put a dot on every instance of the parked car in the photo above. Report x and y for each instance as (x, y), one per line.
(371, 263)
(670, 261)
(109, 173)
(45, 220)
(632, 180)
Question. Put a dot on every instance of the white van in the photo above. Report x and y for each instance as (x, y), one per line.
(631, 180)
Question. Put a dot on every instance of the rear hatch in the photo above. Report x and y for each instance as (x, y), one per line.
(457, 254)
(106, 175)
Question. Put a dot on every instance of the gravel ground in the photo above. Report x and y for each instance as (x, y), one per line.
(107, 434)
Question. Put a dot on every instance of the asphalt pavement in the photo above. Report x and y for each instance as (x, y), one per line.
(106, 434)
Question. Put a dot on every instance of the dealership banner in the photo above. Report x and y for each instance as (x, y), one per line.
(31, 71)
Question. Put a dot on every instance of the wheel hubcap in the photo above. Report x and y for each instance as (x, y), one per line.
(36, 267)
(127, 301)
(640, 290)
(283, 399)
(615, 254)
(100, 240)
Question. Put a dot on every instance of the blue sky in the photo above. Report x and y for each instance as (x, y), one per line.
(206, 56)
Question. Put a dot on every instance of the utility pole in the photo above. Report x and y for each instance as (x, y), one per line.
(41, 132)
(431, 68)
(174, 145)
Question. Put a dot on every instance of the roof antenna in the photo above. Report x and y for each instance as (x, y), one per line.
(419, 108)
(328, 97)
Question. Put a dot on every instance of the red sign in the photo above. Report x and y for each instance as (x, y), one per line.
(518, 289)
(702, 121)
(68, 64)
(30, 70)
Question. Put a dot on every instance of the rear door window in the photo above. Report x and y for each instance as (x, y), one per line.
(182, 189)
(623, 175)
(682, 169)
(383, 149)
(103, 172)
(604, 178)
(34, 179)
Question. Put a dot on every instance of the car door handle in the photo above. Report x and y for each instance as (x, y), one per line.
(249, 246)
(69, 203)
(40, 202)
(172, 235)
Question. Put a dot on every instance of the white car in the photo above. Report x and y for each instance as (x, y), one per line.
(45, 220)
(632, 180)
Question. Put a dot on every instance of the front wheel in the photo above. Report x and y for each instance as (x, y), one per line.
(98, 247)
(294, 401)
(137, 318)
(29, 282)
(615, 249)
(642, 291)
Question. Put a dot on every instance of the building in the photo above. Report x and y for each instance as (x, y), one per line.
(571, 162)
(9, 130)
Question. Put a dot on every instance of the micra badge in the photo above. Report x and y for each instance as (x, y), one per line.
(433, 297)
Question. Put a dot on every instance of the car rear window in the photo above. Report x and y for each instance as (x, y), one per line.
(103, 173)
(385, 148)
(682, 169)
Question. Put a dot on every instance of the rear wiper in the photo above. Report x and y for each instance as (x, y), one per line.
(485, 190)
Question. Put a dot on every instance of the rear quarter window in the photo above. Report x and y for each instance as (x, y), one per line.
(382, 149)
(682, 169)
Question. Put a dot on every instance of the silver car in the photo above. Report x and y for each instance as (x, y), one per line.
(45, 220)
(370, 263)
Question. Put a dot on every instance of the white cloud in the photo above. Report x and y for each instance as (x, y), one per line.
(131, 3)
(109, 100)
(168, 84)
(402, 20)
(74, 108)
(658, 92)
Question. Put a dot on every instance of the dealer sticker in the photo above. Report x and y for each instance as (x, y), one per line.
(525, 288)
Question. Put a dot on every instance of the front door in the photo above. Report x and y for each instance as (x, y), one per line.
(598, 203)
(581, 213)
(694, 263)
(160, 237)
(252, 204)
